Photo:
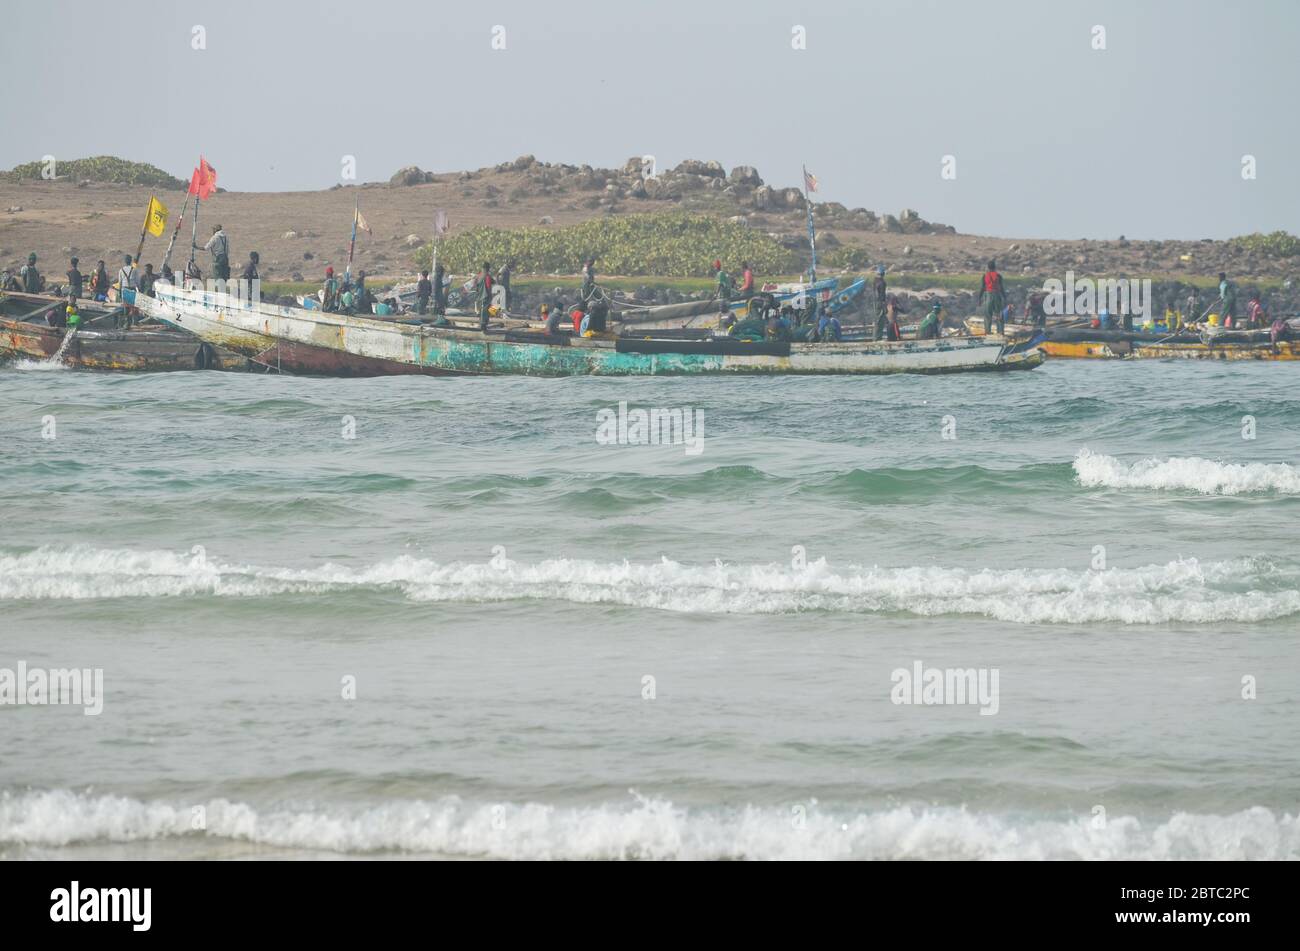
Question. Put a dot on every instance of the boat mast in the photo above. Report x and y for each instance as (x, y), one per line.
(810, 184)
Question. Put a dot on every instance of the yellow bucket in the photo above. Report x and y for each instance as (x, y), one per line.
(1214, 320)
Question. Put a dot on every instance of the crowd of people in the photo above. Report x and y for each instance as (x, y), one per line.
(767, 318)
(131, 276)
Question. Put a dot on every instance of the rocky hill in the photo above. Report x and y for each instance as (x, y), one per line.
(298, 233)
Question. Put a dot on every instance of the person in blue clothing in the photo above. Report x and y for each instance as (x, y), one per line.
(828, 328)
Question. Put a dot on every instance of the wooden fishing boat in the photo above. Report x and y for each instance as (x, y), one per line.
(26, 334)
(337, 344)
(700, 314)
(1207, 343)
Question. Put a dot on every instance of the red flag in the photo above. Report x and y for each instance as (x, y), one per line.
(204, 180)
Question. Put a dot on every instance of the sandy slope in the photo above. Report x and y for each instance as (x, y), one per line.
(103, 220)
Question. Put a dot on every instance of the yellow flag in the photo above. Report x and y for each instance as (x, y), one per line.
(157, 217)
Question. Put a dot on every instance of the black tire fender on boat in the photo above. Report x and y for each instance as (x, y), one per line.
(205, 358)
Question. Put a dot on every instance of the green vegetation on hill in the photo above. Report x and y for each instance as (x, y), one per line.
(1279, 244)
(102, 168)
(668, 245)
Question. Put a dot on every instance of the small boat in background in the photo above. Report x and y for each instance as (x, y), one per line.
(704, 313)
(1070, 341)
(25, 333)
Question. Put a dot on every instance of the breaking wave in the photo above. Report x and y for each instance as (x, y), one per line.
(1186, 590)
(642, 828)
(1189, 473)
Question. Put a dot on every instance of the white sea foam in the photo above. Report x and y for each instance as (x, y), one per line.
(645, 828)
(38, 366)
(1241, 590)
(1187, 473)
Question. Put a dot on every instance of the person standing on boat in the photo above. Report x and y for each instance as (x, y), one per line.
(423, 291)
(439, 290)
(588, 288)
(250, 275)
(746, 281)
(126, 276)
(219, 246)
(992, 294)
(726, 287)
(31, 277)
(503, 278)
(362, 299)
(1036, 310)
(881, 292)
(1193, 307)
(126, 281)
(329, 292)
(74, 280)
(930, 324)
(147, 280)
(892, 310)
(1228, 296)
(483, 298)
(99, 283)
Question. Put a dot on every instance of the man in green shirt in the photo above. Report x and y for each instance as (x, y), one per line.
(1227, 294)
(726, 287)
(929, 329)
(483, 296)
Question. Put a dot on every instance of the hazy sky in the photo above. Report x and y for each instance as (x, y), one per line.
(1051, 137)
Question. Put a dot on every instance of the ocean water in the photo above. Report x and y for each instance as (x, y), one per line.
(475, 630)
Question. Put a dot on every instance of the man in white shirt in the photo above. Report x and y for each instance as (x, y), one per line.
(220, 248)
(126, 280)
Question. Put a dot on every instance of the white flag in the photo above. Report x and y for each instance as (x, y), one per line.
(440, 222)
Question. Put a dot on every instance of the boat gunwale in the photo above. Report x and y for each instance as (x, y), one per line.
(336, 321)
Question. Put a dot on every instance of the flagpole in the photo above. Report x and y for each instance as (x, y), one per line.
(144, 229)
(356, 212)
(812, 234)
(175, 231)
(194, 237)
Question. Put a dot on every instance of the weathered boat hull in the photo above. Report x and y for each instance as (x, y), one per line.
(1135, 345)
(133, 350)
(281, 355)
(1083, 343)
(359, 341)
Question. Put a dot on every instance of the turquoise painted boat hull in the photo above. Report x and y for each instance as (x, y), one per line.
(348, 345)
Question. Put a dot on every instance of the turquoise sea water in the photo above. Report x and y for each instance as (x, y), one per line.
(562, 648)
